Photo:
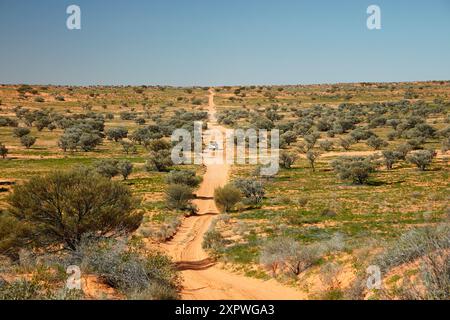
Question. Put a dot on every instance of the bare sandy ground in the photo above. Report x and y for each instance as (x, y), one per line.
(202, 278)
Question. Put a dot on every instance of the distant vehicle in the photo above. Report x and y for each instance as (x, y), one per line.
(213, 145)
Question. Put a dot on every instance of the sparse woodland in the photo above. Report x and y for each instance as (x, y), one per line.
(86, 179)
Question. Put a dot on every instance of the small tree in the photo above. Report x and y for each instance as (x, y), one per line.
(159, 161)
(287, 159)
(27, 141)
(226, 197)
(346, 143)
(376, 143)
(62, 207)
(125, 168)
(128, 147)
(117, 134)
(107, 168)
(312, 156)
(289, 137)
(422, 158)
(403, 150)
(390, 158)
(3, 151)
(356, 169)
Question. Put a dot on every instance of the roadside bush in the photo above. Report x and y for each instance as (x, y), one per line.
(422, 158)
(226, 197)
(131, 269)
(214, 241)
(179, 196)
(356, 169)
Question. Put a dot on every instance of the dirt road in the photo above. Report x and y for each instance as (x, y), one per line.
(202, 278)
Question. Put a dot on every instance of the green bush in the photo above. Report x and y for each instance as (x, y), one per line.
(179, 196)
(356, 169)
(227, 196)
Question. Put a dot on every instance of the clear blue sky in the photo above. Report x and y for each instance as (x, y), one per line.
(223, 42)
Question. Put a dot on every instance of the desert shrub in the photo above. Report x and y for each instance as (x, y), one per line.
(422, 158)
(346, 143)
(252, 190)
(179, 196)
(287, 159)
(312, 157)
(376, 143)
(20, 132)
(58, 209)
(128, 147)
(168, 229)
(28, 141)
(159, 161)
(356, 169)
(402, 150)
(445, 146)
(326, 145)
(413, 245)
(39, 99)
(289, 137)
(430, 246)
(213, 240)
(125, 168)
(158, 145)
(84, 134)
(184, 177)
(416, 143)
(22, 290)
(361, 134)
(117, 134)
(127, 115)
(3, 151)
(390, 158)
(227, 196)
(289, 255)
(108, 168)
(8, 122)
(131, 269)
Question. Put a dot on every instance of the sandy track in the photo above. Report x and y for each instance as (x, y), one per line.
(202, 279)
